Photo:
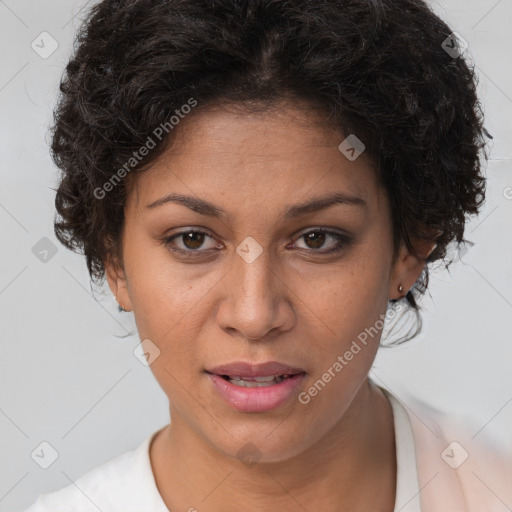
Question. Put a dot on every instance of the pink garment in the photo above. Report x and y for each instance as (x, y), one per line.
(459, 470)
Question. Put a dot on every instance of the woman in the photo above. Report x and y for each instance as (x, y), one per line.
(264, 184)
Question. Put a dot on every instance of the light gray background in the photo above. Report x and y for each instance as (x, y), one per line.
(65, 376)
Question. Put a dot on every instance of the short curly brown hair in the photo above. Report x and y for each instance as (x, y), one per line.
(380, 69)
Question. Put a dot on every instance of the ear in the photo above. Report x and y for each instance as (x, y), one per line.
(117, 282)
(408, 267)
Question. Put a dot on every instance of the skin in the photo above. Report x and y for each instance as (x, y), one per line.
(292, 304)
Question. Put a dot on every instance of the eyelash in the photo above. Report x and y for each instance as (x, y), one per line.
(343, 242)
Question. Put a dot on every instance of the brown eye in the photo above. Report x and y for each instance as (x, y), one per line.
(317, 239)
(190, 242)
(193, 240)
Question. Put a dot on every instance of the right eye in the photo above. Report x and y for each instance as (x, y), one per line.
(189, 242)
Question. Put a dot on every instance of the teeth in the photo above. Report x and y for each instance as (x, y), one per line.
(261, 379)
(256, 382)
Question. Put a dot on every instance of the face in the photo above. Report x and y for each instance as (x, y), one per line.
(225, 264)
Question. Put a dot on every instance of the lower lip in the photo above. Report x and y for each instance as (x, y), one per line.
(257, 399)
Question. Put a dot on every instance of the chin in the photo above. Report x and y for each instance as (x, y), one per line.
(262, 444)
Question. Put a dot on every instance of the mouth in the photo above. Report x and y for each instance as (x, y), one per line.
(255, 375)
(256, 382)
(256, 387)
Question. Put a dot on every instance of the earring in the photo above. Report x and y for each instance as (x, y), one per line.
(400, 288)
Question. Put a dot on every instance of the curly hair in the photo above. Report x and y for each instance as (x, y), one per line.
(379, 69)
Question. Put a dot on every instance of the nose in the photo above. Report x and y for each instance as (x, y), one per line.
(256, 301)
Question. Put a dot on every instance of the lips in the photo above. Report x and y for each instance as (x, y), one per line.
(255, 388)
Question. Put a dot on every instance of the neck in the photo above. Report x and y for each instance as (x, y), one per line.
(353, 467)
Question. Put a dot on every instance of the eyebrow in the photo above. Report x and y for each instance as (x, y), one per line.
(289, 212)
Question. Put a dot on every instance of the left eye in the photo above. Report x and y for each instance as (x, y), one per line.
(316, 238)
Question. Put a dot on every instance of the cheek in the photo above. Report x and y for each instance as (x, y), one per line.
(342, 338)
(348, 298)
(165, 296)
(344, 318)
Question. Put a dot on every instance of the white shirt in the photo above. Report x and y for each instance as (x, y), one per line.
(407, 485)
(126, 482)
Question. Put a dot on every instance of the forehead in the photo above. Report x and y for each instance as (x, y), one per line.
(273, 156)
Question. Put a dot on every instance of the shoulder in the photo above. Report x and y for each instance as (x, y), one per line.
(120, 484)
(460, 467)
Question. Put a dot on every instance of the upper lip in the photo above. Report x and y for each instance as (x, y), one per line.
(243, 369)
